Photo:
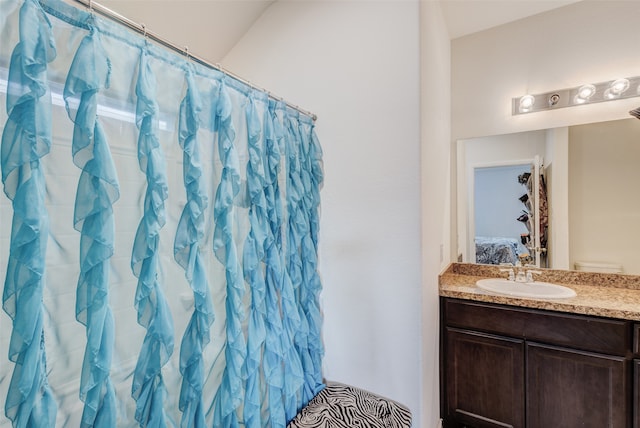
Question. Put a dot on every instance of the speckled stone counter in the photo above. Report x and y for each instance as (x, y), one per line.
(598, 294)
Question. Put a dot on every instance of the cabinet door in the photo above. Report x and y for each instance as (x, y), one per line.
(568, 389)
(636, 393)
(484, 380)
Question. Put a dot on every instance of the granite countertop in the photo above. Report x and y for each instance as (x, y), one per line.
(598, 294)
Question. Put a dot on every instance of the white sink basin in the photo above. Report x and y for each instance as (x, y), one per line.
(541, 290)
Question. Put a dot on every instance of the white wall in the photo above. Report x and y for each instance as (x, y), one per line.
(497, 205)
(435, 104)
(588, 41)
(557, 174)
(356, 65)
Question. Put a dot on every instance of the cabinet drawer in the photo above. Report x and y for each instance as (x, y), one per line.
(594, 334)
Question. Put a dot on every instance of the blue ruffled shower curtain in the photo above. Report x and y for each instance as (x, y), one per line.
(158, 234)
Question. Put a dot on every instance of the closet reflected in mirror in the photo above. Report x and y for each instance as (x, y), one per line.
(589, 214)
(509, 214)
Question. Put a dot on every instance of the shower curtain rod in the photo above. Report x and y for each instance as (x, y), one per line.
(142, 29)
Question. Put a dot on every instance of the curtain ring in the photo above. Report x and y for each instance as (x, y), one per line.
(90, 6)
(186, 52)
(144, 30)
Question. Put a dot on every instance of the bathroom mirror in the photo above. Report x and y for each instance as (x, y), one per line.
(591, 174)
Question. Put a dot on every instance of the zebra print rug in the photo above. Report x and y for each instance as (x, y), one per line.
(344, 406)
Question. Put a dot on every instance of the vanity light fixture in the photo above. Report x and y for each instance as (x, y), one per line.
(585, 94)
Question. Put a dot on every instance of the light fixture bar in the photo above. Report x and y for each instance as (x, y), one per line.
(585, 94)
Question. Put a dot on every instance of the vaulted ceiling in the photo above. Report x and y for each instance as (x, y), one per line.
(210, 28)
(465, 17)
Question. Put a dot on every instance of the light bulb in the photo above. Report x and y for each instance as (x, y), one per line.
(619, 86)
(526, 102)
(586, 91)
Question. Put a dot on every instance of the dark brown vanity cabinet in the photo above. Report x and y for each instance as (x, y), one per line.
(504, 366)
(636, 375)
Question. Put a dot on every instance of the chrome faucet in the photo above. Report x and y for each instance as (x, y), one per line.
(519, 274)
(512, 275)
(530, 274)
